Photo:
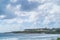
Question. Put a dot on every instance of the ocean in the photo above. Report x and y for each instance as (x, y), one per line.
(25, 36)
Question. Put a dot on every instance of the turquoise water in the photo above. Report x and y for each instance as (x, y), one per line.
(29, 36)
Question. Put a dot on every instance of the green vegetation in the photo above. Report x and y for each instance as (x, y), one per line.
(41, 30)
(58, 38)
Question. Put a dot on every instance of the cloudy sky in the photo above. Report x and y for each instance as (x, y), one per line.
(24, 14)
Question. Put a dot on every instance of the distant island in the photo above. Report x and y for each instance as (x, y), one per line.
(40, 30)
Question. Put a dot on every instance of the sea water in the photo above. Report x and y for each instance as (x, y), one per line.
(29, 36)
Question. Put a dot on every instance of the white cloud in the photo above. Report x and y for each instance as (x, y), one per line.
(15, 20)
(2, 16)
(9, 28)
(55, 9)
(9, 6)
(9, 21)
(13, 8)
(20, 20)
(33, 16)
(16, 10)
(47, 11)
(47, 19)
(13, 1)
(40, 1)
(18, 6)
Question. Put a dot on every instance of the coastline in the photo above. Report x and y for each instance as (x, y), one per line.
(38, 31)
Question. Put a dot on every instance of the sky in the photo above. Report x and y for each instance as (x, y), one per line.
(18, 15)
